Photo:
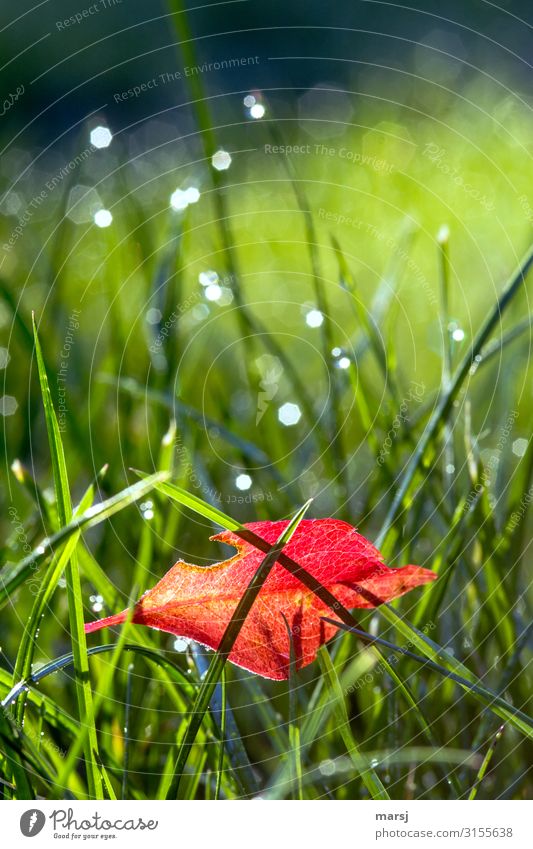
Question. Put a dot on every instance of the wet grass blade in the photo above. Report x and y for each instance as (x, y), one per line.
(75, 603)
(445, 403)
(368, 775)
(48, 710)
(46, 590)
(43, 597)
(11, 737)
(127, 731)
(103, 687)
(175, 406)
(220, 764)
(336, 449)
(448, 666)
(226, 729)
(12, 578)
(194, 503)
(66, 660)
(295, 752)
(485, 765)
(226, 644)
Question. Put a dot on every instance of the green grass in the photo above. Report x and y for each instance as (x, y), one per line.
(407, 701)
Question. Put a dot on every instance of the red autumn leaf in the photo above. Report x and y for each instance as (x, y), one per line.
(197, 602)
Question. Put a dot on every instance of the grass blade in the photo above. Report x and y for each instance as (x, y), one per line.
(485, 765)
(12, 578)
(68, 659)
(85, 730)
(226, 644)
(368, 775)
(295, 754)
(448, 396)
(75, 604)
(448, 666)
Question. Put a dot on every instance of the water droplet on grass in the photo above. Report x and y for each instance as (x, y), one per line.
(153, 316)
(213, 292)
(101, 137)
(208, 278)
(103, 218)
(327, 767)
(243, 482)
(520, 447)
(257, 111)
(289, 414)
(314, 318)
(343, 362)
(221, 160)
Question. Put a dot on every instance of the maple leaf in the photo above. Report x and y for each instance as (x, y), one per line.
(197, 602)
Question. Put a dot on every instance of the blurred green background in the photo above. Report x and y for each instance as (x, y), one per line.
(375, 135)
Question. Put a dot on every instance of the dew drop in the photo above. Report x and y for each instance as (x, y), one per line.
(289, 414)
(243, 482)
(221, 160)
(314, 318)
(257, 111)
(327, 767)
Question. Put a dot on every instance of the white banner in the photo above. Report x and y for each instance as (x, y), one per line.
(307, 824)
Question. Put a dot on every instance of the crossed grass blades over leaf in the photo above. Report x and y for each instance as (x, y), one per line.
(435, 656)
(198, 603)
